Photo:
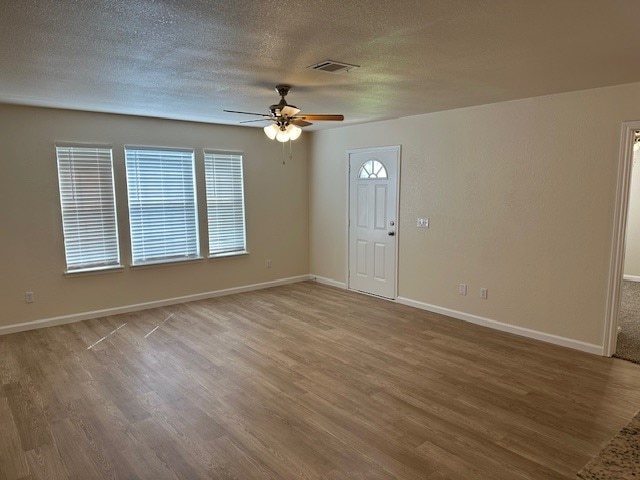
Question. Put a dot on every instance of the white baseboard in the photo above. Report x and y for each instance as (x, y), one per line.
(78, 317)
(328, 281)
(486, 322)
(631, 278)
(505, 327)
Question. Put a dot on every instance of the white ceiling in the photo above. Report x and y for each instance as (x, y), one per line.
(190, 59)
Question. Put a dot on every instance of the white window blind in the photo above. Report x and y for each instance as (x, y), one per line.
(85, 176)
(225, 203)
(162, 205)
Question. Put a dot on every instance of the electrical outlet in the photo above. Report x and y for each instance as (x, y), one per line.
(422, 223)
(484, 293)
(29, 297)
(462, 289)
(268, 263)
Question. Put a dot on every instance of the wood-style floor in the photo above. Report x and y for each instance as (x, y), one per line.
(301, 382)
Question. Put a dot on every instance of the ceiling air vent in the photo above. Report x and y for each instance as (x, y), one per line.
(330, 66)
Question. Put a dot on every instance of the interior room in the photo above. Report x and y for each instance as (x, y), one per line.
(319, 240)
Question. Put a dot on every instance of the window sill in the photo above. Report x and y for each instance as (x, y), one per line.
(230, 254)
(165, 263)
(93, 271)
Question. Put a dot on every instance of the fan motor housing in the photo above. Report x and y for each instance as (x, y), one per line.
(283, 90)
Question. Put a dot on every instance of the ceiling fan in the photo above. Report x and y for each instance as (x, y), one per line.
(287, 119)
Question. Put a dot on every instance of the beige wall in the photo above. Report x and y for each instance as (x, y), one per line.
(632, 247)
(520, 197)
(31, 242)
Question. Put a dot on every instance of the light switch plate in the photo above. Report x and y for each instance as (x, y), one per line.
(423, 223)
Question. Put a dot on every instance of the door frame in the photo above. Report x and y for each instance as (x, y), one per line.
(618, 239)
(398, 150)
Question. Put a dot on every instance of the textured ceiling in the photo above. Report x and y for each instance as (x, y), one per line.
(190, 59)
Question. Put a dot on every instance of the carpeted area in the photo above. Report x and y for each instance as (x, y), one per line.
(620, 459)
(628, 346)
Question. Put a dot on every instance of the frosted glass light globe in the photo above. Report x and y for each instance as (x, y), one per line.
(294, 131)
(271, 131)
(282, 136)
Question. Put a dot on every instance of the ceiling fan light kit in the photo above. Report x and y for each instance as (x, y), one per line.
(282, 133)
(287, 119)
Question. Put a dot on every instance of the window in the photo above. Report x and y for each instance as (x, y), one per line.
(372, 169)
(162, 205)
(87, 200)
(225, 203)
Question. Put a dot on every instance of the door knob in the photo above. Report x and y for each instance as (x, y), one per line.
(391, 234)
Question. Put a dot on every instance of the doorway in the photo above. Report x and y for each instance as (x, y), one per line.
(628, 332)
(620, 288)
(373, 220)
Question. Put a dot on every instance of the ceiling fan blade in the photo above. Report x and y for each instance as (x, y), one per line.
(313, 116)
(259, 120)
(246, 113)
(289, 111)
(301, 123)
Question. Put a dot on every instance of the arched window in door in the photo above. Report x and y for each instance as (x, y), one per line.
(372, 169)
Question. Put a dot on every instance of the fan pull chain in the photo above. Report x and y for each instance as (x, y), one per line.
(284, 153)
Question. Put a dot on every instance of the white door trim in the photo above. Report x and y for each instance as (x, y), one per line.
(397, 149)
(618, 240)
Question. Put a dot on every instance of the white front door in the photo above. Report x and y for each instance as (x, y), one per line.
(373, 234)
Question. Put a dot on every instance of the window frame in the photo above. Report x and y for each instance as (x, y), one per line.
(177, 259)
(373, 175)
(88, 268)
(230, 253)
